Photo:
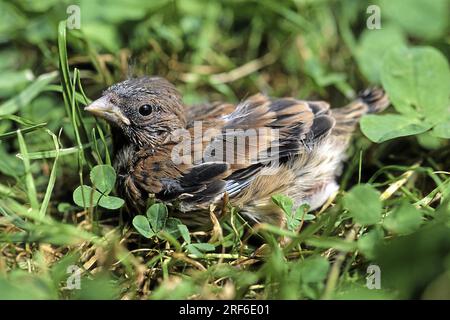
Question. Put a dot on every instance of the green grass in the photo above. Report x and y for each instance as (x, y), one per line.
(392, 209)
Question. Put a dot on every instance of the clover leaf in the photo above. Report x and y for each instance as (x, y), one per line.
(103, 178)
(293, 218)
(156, 221)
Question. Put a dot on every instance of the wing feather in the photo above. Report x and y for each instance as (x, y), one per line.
(270, 129)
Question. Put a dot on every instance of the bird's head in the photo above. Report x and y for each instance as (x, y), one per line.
(145, 110)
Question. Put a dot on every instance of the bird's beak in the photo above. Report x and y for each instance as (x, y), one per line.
(105, 109)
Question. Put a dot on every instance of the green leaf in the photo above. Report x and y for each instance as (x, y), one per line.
(403, 220)
(12, 20)
(331, 242)
(13, 81)
(199, 248)
(301, 213)
(308, 217)
(379, 128)
(142, 225)
(110, 202)
(283, 202)
(184, 233)
(293, 220)
(424, 253)
(420, 18)
(368, 242)
(314, 269)
(103, 177)
(372, 48)
(192, 249)
(364, 205)
(417, 81)
(157, 215)
(84, 196)
(442, 130)
(204, 246)
(103, 34)
(64, 207)
(28, 94)
(99, 287)
(24, 286)
(171, 227)
(292, 223)
(429, 141)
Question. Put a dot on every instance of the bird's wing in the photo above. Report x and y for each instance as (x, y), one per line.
(160, 174)
(262, 132)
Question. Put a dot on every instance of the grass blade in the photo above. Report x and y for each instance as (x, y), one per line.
(52, 179)
(29, 180)
(24, 97)
(52, 153)
(24, 130)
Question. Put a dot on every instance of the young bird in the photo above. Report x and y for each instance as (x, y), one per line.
(298, 152)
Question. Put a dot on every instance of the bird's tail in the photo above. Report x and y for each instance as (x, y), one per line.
(371, 100)
(376, 99)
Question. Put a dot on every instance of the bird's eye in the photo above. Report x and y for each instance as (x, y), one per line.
(145, 110)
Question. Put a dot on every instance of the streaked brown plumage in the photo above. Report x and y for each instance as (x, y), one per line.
(309, 145)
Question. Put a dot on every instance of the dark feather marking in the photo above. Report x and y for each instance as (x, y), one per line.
(321, 126)
(319, 107)
(204, 173)
(210, 192)
(280, 104)
(281, 120)
(245, 173)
